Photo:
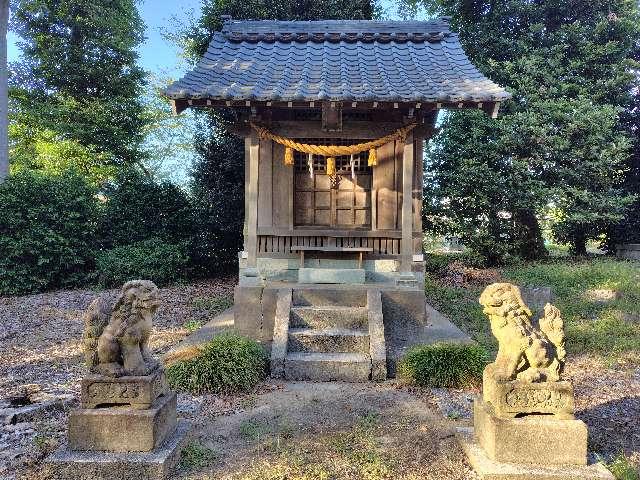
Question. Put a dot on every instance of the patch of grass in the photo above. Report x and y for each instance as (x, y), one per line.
(228, 364)
(461, 306)
(193, 325)
(623, 469)
(253, 429)
(196, 456)
(448, 365)
(212, 305)
(602, 328)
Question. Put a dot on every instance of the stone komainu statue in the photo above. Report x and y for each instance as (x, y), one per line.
(525, 352)
(116, 340)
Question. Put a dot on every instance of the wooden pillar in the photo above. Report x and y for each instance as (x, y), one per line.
(251, 199)
(406, 245)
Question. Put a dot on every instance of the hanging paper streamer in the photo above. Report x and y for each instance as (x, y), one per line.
(331, 166)
(352, 162)
(310, 163)
(373, 159)
(288, 156)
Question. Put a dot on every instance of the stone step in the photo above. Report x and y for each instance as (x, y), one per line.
(322, 317)
(356, 297)
(336, 340)
(327, 367)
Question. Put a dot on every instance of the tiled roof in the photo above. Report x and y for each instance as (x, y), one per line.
(338, 60)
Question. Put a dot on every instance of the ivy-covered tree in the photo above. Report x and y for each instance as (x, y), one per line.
(218, 173)
(78, 81)
(560, 141)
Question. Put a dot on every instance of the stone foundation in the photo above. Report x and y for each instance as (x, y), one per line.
(137, 392)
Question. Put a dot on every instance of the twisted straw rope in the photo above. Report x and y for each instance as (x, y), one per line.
(333, 150)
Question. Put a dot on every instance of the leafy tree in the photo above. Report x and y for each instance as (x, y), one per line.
(568, 65)
(78, 77)
(4, 107)
(218, 173)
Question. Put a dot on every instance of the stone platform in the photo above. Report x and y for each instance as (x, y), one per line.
(489, 469)
(66, 464)
(137, 392)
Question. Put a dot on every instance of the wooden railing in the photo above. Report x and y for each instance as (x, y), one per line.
(281, 244)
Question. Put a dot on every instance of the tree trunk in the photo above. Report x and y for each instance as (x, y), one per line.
(579, 245)
(531, 243)
(4, 92)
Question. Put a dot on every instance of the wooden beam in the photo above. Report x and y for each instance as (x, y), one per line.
(251, 185)
(406, 244)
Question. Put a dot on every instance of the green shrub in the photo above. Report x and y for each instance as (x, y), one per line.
(47, 232)
(623, 469)
(138, 208)
(155, 260)
(228, 364)
(444, 365)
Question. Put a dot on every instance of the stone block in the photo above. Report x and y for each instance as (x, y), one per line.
(512, 398)
(123, 429)
(280, 332)
(489, 469)
(331, 275)
(66, 464)
(323, 317)
(328, 367)
(247, 311)
(137, 392)
(377, 344)
(533, 439)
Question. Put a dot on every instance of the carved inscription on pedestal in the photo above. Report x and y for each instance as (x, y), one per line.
(543, 399)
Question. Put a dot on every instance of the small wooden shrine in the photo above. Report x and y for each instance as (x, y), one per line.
(335, 115)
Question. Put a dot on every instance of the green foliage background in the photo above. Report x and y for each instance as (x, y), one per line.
(47, 232)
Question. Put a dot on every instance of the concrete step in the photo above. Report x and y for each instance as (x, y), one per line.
(322, 317)
(327, 367)
(348, 297)
(336, 340)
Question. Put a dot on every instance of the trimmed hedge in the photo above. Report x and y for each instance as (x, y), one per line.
(228, 364)
(448, 365)
(155, 260)
(47, 232)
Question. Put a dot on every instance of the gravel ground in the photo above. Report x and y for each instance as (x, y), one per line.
(40, 352)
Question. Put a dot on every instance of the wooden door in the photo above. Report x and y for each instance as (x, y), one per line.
(345, 204)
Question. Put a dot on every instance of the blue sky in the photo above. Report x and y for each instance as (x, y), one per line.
(156, 54)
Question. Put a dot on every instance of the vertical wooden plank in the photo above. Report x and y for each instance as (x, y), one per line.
(265, 195)
(383, 190)
(280, 189)
(406, 247)
(247, 144)
(399, 155)
(417, 184)
(252, 200)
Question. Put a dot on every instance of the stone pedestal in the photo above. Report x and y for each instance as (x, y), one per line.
(515, 398)
(532, 439)
(123, 429)
(137, 392)
(126, 428)
(67, 464)
(532, 435)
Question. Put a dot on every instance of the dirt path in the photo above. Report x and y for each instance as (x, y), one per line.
(327, 430)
